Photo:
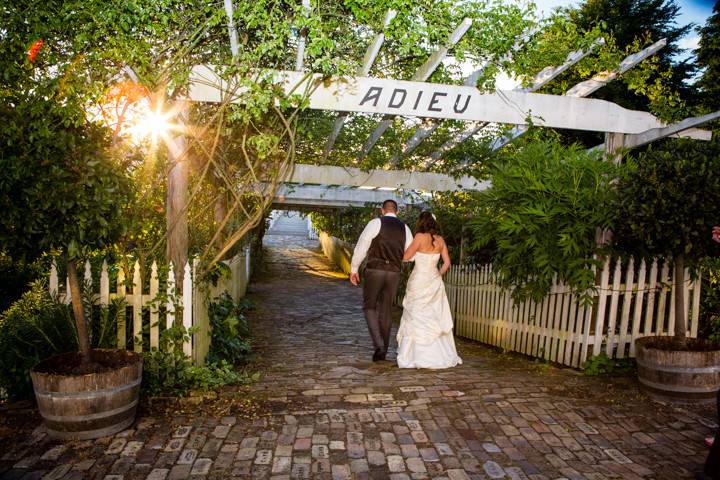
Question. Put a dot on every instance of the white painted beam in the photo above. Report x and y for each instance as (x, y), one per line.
(340, 196)
(679, 128)
(544, 77)
(232, 31)
(409, 98)
(423, 73)
(429, 126)
(584, 89)
(399, 179)
(300, 56)
(364, 69)
(683, 129)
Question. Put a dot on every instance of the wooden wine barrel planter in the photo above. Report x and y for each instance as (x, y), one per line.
(680, 376)
(92, 405)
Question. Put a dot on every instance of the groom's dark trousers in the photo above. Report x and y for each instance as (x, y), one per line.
(378, 292)
(382, 277)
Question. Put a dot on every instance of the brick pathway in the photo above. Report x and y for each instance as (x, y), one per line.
(332, 413)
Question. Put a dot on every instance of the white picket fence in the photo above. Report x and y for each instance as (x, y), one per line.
(142, 297)
(629, 304)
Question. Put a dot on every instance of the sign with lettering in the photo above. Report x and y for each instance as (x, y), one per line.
(421, 99)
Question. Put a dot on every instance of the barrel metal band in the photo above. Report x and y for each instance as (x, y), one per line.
(667, 368)
(89, 434)
(89, 393)
(674, 388)
(90, 416)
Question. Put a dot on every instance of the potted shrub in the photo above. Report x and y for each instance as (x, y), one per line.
(670, 203)
(64, 189)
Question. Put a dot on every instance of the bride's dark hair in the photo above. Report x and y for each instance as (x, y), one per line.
(426, 223)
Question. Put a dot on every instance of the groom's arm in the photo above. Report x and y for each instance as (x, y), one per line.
(408, 242)
(372, 229)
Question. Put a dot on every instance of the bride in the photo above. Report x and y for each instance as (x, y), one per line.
(425, 338)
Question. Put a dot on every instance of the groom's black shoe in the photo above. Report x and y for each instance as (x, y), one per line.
(378, 355)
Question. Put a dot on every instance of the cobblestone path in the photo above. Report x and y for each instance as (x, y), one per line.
(332, 413)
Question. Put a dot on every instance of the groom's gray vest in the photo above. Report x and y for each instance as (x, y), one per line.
(387, 249)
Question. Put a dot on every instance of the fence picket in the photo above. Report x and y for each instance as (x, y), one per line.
(650, 304)
(154, 308)
(660, 319)
(53, 280)
(104, 284)
(625, 315)
(637, 314)
(121, 328)
(695, 306)
(87, 277)
(614, 299)
(187, 307)
(137, 309)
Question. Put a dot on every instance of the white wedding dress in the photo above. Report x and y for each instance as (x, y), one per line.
(425, 338)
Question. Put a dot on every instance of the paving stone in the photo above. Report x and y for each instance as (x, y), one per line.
(58, 472)
(201, 466)
(341, 472)
(132, 448)
(281, 465)
(187, 457)
(179, 472)
(395, 463)
(158, 474)
(263, 457)
(115, 448)
(493, 470)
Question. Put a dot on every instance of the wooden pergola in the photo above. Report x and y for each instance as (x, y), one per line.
(435, 103)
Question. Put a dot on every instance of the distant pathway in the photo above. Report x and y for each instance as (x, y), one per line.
(329, 412)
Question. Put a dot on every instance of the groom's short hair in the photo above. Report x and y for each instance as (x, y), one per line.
(390, 205)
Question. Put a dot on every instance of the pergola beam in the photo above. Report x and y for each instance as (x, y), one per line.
(300, 56)
(683, 129)
(390, 179)
(422, 74)
(368, 60)
(422, 99)
(586, 88)
(232, 31)
(325, 196)
(429, 126)
(543, 77)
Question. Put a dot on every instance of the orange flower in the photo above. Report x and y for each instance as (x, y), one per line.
(34, 49)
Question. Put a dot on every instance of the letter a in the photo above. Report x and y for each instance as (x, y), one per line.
(372, 94)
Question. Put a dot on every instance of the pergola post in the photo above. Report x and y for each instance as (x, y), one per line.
(177, 202)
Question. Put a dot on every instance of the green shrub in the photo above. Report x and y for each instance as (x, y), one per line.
(169, 372)
(710, 299)
(603, 365)
(229, 330)
(38, 326)
(35, 327)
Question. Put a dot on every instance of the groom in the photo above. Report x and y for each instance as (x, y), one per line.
(383, 241)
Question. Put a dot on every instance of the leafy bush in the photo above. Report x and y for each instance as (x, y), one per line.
(38, 326)
(603, 365)
(541, 215)
(346, 224)
(710, 299)
(229, 330)
(168, 371)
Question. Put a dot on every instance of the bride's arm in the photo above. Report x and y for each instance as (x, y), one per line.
(412, 249)
(446, 259)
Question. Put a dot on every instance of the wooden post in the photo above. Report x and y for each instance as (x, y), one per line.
(177, 200)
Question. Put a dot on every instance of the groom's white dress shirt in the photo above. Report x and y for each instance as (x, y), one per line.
(372, 230)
